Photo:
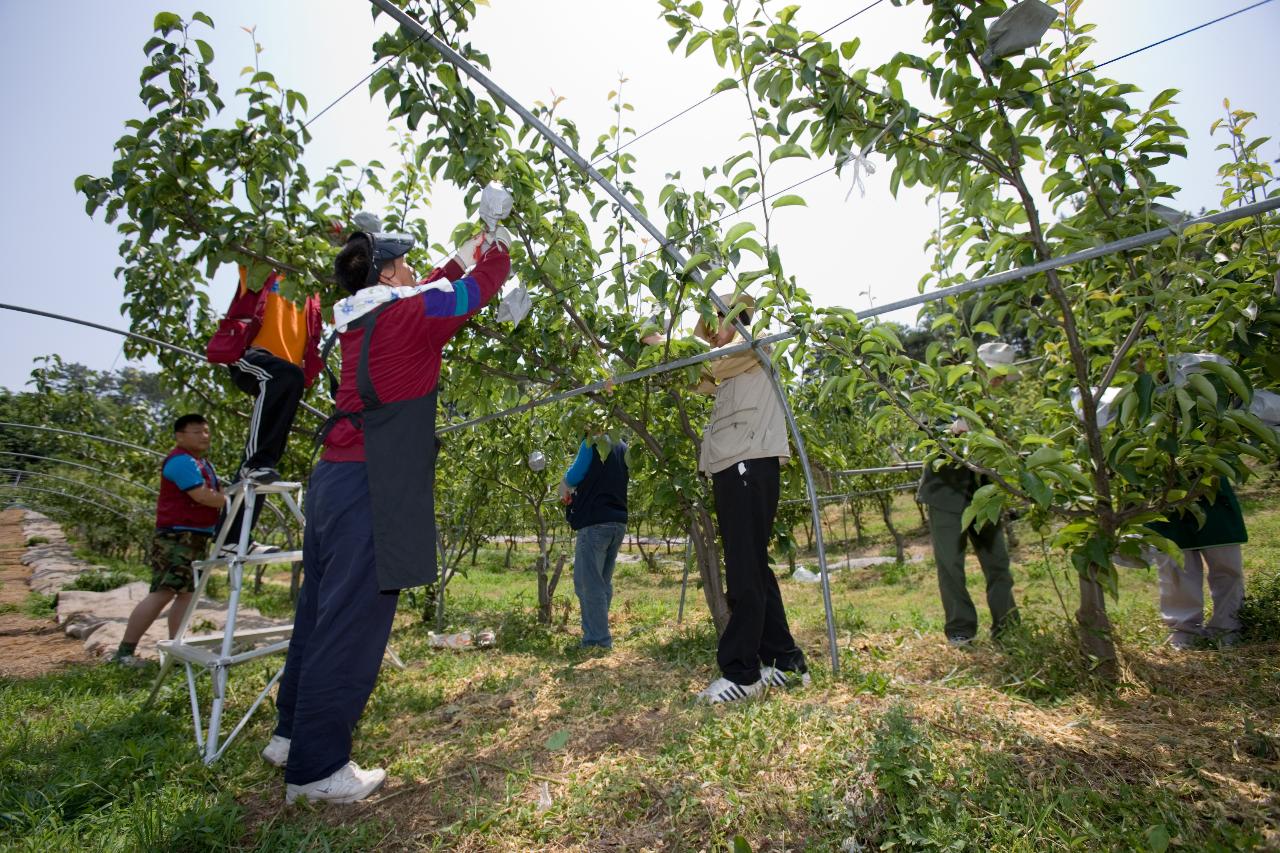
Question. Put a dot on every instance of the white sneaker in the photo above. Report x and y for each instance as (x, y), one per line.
(724, 690)
(785, 678)
(276, 752)
(347, 784)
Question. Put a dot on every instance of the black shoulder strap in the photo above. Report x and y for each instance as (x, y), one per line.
(364, 382)
(329, 344)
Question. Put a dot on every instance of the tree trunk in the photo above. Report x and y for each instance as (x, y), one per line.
(511, 546)
(445, 577)
(886, 510)
(708, 556)
(1096, 640)
(857, 524)
(295, 580)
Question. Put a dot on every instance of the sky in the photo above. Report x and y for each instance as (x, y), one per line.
(77, 83)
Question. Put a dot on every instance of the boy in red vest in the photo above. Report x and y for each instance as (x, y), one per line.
(186, 514)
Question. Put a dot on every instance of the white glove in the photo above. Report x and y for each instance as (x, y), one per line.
(565, 491)
(495, 204)
(470, 250)
(498, 235)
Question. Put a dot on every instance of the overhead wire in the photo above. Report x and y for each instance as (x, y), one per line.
(919, 134)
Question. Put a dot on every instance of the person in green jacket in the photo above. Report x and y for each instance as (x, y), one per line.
(947, 491)
(1215, 545)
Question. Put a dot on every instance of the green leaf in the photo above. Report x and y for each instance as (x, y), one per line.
(738, 231)
(165, 21)
(956, 372)
(787, 149)
(1034, 486)
(787, 201)
(202, 18)
(558, 740)
(740, 845)
(206, 52)
(700, 258)
(1158, 835)
(696, 42)
(1233, 379)
(1044, 456)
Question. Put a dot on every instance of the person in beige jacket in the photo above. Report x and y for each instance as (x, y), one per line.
(742, 449)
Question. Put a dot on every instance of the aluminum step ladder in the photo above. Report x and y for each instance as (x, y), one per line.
(218, 652)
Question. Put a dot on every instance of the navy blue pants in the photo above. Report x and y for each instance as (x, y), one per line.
(341, 627)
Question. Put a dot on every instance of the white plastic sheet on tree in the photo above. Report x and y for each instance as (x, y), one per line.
(1266, 407)
(1106, 406)
(495, 204)
(994, 353)
(515, 305)
(1019, 28)
(1183, 365)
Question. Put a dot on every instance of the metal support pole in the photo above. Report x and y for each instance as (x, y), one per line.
(684, 581)
(887, 469)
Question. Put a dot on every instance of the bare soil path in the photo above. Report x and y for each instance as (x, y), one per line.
(29, 646)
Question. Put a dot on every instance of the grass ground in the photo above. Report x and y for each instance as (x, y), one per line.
(540, 745)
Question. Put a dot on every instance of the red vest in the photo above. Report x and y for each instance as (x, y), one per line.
(175, 508)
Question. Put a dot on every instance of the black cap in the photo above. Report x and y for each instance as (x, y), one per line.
(385, 246)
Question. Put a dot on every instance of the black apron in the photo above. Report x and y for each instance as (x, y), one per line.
(400, 462)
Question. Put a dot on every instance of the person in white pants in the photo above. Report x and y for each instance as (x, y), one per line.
(1215, 546)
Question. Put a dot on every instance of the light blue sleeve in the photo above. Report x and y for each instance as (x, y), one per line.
(183, 472)
(578, 471)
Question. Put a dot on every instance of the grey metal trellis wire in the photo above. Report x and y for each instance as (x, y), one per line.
(459, 62)
(99, 471)
(74, 433)
(24, 486)
(1126, 244)
(127, 334)
(25, 473)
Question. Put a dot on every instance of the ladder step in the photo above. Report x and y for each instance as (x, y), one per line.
(277, 488)
(251, 560)
(251, 635)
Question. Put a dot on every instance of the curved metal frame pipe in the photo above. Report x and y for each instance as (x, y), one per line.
(22, 473)
(274, 509)
(21, 487)
(99, 471)
(458, 61)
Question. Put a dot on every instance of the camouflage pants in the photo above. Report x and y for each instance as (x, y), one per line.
(171, 554)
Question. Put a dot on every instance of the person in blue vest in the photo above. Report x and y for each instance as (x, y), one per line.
(594, 490)
(370, 502)
(187, 510)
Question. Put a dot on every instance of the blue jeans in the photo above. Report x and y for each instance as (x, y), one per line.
(594, 556)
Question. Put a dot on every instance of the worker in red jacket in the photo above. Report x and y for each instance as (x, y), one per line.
(370, 528)
(282, 360)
